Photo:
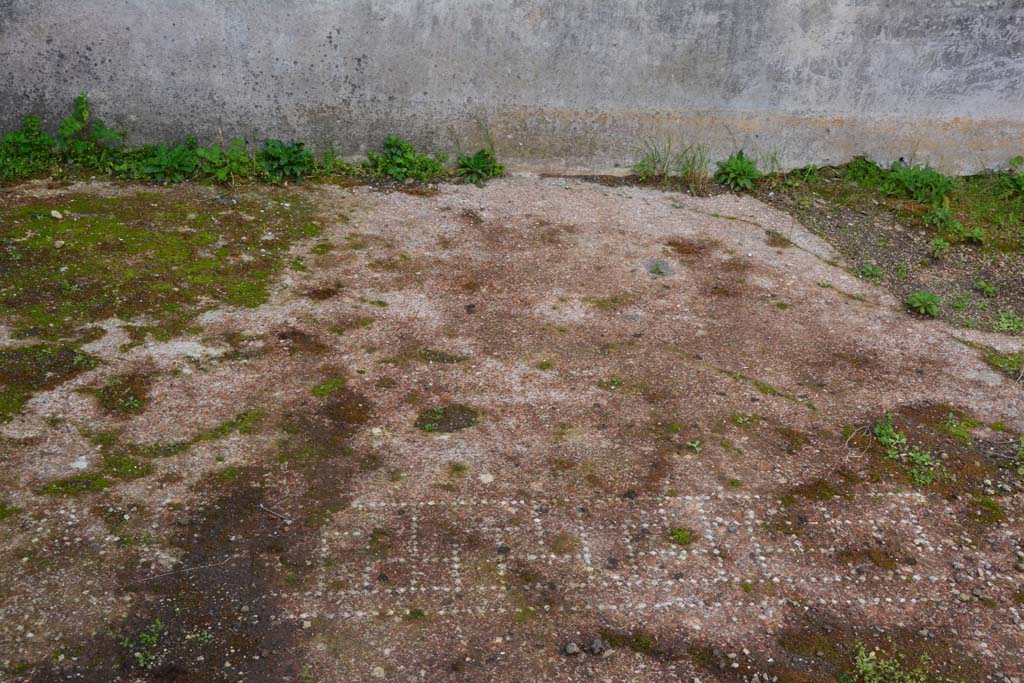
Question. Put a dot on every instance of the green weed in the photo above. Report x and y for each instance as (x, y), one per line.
(400, 161)
(478, 168)
(924, 303)
(285, 162)
(739, 172)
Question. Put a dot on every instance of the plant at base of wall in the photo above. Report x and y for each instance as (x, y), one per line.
(479, 167)
(88, 141)
(26, 151)
(399, 161)
(738, 172)
(285, 162)
(171, 164)
(228, 164)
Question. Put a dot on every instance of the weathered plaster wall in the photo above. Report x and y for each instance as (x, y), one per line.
(558, 82)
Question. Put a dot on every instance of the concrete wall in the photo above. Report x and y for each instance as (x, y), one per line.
(559, 83)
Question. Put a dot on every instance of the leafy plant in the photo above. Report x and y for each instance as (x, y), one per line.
(875, 667)
(88, 141)
(922, 183)
(285, 162)
(1008, 321)
(479, 167)
(1011, 183)
(987, 289)
(939, 247)
(871, 272)
(890, 437)
(1018, 456)
(924, 303)
(26, 151)
(225, 165)
(171, 164)
(738, 172)
(144, 648)
(399, 161)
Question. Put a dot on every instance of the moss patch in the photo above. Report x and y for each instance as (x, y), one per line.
(164, 255)
(7, 511)
(447, 419)
(27, 369)
(125, 393)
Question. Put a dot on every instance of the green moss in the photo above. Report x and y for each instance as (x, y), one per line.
(443, 357)
(609, 304)
(681, 536)
(766, 389)
(120, 466)
(565, 544)
(986, 511)
(957, 426)
(446, 419)
(90, 482)
(7, 511)
(243, 423)
(166, 256)
(329, 387)
(124, 393)
(25, 370)
(1010, 363)
(228, 474)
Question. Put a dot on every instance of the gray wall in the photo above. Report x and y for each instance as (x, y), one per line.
(559, 83)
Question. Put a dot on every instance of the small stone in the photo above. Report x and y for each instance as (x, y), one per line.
(572, 649)
(598, 646)
(486, 478)
(378, 672)
(307, 624)
(57, 214)
(1020, 566)
(631, 495)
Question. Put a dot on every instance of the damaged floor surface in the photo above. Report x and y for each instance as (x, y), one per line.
(542, 431)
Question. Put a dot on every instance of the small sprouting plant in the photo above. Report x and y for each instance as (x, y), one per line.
(285, 162)
(681, 536)
(478, 168)
(890, 437)
(871, 272)
(1018, 456)
(960, 301)
(924, 303)
(921, 466)
(939, 247)
(656, 161)
(1008, 321)
(329, 387)
(738, 172)
(695, 445)
(86, 140)
(941, 218)
(399, 161)
(875, 667)
(1011, 183)
(987, 289)
(144, 648)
